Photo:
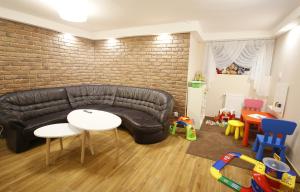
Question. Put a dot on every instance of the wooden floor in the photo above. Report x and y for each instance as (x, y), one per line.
(159, 167)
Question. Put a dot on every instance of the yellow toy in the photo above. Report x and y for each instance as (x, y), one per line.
(270, 176)
(236, 127)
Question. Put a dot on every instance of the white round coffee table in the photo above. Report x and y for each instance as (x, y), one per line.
(59, 130)
(93, 120)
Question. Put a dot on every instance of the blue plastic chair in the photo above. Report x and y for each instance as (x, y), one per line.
(272, 128)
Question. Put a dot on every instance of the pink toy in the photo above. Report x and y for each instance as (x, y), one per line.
(253, 104)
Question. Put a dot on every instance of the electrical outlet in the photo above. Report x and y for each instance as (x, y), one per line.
(175, 113)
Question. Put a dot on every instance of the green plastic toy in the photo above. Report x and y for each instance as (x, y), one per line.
(186, 123)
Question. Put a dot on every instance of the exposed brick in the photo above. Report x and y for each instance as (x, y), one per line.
(33, 57)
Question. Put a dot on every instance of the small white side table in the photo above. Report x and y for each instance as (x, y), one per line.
(93, 120)
(59, 130)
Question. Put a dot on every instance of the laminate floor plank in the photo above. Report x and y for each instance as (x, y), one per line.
(160, 167)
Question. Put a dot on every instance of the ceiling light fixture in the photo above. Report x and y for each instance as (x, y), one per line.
(294, 23)
(288, 27)
(165, 38)
(70, 10)
(112, 42)
(67, 37)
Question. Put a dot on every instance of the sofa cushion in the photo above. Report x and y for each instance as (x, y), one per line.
(151, 101)
(34, 103)
(100, 107)
(33, 124)
(91, 95)
(138, 120)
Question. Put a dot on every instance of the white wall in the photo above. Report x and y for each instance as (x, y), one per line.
(196, 51)
(234, 84)
(195, 55)
(195, 96)
(287, 62)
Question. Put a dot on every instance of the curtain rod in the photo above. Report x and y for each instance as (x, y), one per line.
(250, 39)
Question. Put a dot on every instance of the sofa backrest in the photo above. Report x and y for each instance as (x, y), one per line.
(151, 101)
(30, 104)
(91, 95)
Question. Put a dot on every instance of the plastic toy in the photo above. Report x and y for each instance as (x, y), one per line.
(187, 123)
(220, 124)
(210, 122)
(225, 115)
(270, 176)
(236, 127)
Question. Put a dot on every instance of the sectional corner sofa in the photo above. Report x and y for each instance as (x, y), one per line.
(144, 112)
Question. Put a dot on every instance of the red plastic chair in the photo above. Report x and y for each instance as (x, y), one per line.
(253, 104)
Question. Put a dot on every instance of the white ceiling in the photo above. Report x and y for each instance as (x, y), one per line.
(214, 16)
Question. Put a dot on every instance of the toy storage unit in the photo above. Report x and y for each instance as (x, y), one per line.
(196, 104)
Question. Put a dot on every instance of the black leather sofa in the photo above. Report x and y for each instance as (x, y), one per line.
(144, 112)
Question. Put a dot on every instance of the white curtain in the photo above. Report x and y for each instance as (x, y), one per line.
(253, 54)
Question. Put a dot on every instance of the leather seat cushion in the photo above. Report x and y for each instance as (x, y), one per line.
(100, 107)
(135, 120)
(151, 101)
(33, 124)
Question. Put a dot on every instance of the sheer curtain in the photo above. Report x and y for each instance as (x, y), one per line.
(253, 54)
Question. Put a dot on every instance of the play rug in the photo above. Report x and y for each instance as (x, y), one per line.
(212, 144)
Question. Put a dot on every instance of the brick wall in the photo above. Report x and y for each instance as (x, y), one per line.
(146, 62)
(33, 57)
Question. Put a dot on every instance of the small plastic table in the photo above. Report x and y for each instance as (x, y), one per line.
(248, 120)
(59, 130)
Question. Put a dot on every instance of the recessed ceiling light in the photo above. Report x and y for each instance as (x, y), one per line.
(165, 38)
(112, 42)
(67, 37)
(70, 10)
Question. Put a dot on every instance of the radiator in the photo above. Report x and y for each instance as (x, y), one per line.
(234, 102)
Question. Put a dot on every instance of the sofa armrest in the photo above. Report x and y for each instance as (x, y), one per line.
(10, 121)
(167, 113)
(13, 132)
